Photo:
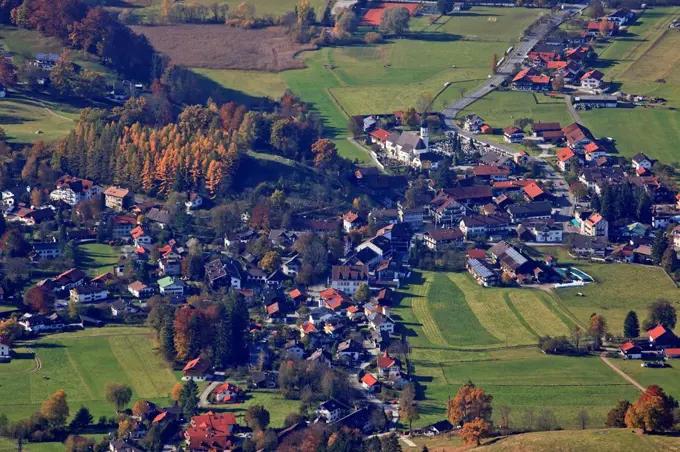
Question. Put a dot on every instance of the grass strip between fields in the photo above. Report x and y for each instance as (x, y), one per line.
(513, 308)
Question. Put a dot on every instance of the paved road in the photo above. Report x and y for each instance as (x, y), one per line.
(603, 355)
(572, 111)
(508, 66)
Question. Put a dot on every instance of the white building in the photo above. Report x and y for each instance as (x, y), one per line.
(88, 294)
(73, 190)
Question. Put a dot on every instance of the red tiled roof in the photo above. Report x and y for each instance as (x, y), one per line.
(380, 134)
(485, 128)
(159, 417)
(476, 253)
(565, 154)
(656, 332)
(489, 171)
(352, 309)
(513, 183)
(591, 147)
(350, 217)
(672, 351)
(533, 191)
(594, 219)
(521, 74)
(595, 25)
(640, 171)
(308, 327)
(556, 64)
(597, 75)
(511, 129)
(369, 380)
(627, 346)
(294, 293)
(137, 232)
(385, 361)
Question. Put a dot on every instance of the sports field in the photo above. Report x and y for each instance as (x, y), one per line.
(81, 363)
(500, 109)
(617, 290)
(459, 331)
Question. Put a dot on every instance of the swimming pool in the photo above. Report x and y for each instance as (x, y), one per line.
(574, 273)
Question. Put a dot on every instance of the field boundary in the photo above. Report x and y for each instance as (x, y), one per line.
(77, 372)
(519, 316)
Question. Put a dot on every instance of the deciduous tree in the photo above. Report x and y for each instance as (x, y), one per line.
(652, 411)
(473, 431)
(118, 395)
(469, 403)
(662, 312)
(616, 417)
(55, 409)
(257, 417)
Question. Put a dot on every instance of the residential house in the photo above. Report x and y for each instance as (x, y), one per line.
(490, 173)
(73, 190)
(88, 293)
(5, 349)
(171, 286)
(513, 134)
(293, 348)
(379, 136)
(122, 226)
(330, 411)
(388, 366)
(474, 195)
(597, 28)
(68, 280)
(593, 80)
(445, 210)
(443, 239)
(123, 445)
(577, 136)
(291, 265)
(540, 128)
(381, 322)
(412, 216)
(228, 393)
(117, 198)
(211, 432)
(348, 278)
(140, 236)
(565, 157)
(171, 267)
(511, 260)
(532, 192)
(47, 250)
(594, 152)
(160, 216)
(497, 159)
(622, 16)
(140, 290)
(474, 226)
(473, 123)
(193, 202)
(46, 61)
(483, 274)
(588, 246)
(529, 79)
(383, 217)
(671, 353)
(369, 382)
(530, 211)
(595, 226)
(199, 369)
(350, 351)
(224, 273)
(640, 160)
(540, 231)
(321, 357)
(35, 323)
(351, 221)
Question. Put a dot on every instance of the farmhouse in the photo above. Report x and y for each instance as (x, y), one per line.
(596, 28)
(538, 129)
(445, 210)
(621, 16)
(379, 137)
(486, 173)
(50, 250)
(211, 432)
(660, 337)
(630, 351)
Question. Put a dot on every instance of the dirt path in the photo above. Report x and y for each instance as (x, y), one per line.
(622, 373)
(203, 398)
(572, 111)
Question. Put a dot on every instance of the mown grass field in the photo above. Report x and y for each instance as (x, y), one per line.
(81, 363)
(459, 331)
(668, 378)
(277, 406)
(97, 258)
(617, 290)
(26, 120)
(500, 109)
(256, 84)
(643, 61)
(625, 125)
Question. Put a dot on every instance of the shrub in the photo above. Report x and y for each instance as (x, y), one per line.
(373, 38)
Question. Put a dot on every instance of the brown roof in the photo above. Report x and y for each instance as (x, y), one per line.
(445, 234)
(116, 192)
(350, 272)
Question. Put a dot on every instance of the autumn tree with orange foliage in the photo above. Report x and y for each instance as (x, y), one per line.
(325, 152)
(176, 392)
(473, 431)
(469, 403)
(140, 408)
(38, 299)
(652, 411)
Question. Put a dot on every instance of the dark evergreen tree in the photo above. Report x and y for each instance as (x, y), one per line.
(240, 321)
(222, 342)
(631, 326)
(195, 337)
(168, 341)
(659, 245)
(188, 399)
(81, 420)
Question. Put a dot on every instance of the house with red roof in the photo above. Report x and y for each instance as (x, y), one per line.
(379, 137)
(307, 329)
(335, 300)
(211, 432)
(228, 393)
(593, 151)
(199, 369)
(593, 80)
(671, 353)
(140, 236)
(630, 351)
(661, 338)
(595, 226)
(565, 157)
(529, 79)
(598, 28)
(513, 134)
(369, 382)
(388, 366)
(351, 221)
(532, 192)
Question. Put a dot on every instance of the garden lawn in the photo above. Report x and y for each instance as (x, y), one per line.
(97, 258)
(26, 119)
(652, 130)
(618, 289)
(500, 109)
(277, 406)
(82, 364)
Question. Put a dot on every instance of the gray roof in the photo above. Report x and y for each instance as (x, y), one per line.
(480, 269)
(408, 141)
